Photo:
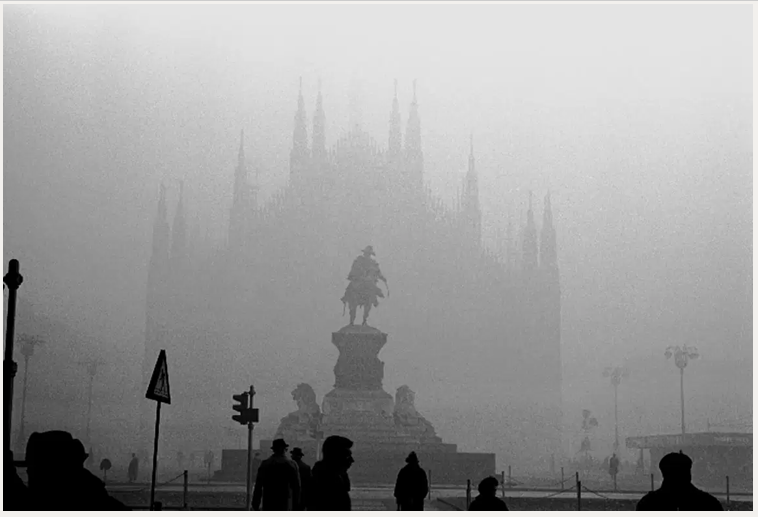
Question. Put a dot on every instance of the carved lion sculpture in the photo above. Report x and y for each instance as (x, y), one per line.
(301, 423)
(407, 417)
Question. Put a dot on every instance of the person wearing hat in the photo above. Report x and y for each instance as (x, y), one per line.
(411, 486)
(677, 491)
(277, 482)
(487, 500)
(58, 479)
(330, 484)
(305, 477)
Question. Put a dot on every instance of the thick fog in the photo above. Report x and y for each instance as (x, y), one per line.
(636, 119)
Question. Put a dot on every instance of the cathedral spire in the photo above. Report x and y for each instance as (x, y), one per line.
(299, 153)
(548, 249)
(319, 127)
(395, 141)
(530, 240)
(179, 230)
(414, 157)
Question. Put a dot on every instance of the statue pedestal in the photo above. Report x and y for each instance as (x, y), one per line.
(358, 402)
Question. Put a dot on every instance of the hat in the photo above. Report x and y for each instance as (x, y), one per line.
(336, 443)
(297, 451)
(488, 484)
(412, 458)
(369, 250)
(675, 464)
(279, 444)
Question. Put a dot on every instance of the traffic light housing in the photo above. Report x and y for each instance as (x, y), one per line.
(247, 415)
(241, 408)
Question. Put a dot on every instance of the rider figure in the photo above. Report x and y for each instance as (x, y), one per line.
(363, 290)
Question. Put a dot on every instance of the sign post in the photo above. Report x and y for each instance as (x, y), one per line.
(247, 415)
(158, 390)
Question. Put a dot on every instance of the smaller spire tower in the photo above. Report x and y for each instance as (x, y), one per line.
(395, 139)
(530, 251)
(239, 198)
(472, 212)
(414, 157)
(299, 153)
(179, 230)
(319, 128)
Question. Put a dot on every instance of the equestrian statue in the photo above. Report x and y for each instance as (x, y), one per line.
(362, 289)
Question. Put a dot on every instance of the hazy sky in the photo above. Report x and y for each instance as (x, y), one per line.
(638, 119)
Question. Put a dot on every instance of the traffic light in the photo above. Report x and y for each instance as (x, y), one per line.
(242, 408)
(247, 414)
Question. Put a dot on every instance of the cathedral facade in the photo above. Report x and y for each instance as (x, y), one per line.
(267, 301)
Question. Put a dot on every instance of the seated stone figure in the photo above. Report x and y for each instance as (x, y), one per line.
(408, 420)
(299, 425)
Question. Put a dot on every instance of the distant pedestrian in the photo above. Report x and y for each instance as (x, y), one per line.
(613, 469)
(133, 470)
(411, 486)
(330, 484)
(677, 491)
(487, 499)
(277, 482)
(58, 480)
(305, 478)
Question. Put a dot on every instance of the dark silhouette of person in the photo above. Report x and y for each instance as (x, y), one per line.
(277, 482)
(613, 468)
(133, 469)
(330, 484)
(677, 491)
(487, 500)
(15, 493)
(58, 480)
(411, 486)
(305, 478)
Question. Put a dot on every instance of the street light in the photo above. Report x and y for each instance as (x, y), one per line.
(616, 373)
(91, 365)
(28, 343)
(682, 355)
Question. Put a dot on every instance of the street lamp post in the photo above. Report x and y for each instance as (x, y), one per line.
(13, 280)
(616, 373)
(682, 355)
(27, 350)
(91, 371)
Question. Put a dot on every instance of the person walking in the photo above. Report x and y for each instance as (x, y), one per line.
(487, 499)
(133, 469)
(677, 491)
(305, 477)
(330, 484)
(613, 469)
(57, 478)
(277, 482)
(411, 486)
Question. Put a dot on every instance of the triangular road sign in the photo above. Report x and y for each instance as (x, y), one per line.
(158, 388)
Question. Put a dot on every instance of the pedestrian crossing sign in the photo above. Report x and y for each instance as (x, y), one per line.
(158, 388)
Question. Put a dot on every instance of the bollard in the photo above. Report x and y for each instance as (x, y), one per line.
(430, 484)
(727, 492)
(186, 489)
(562, 478)
(468, 493)
(510, 478)
(578, 496)
(652, 482)
(502, 479)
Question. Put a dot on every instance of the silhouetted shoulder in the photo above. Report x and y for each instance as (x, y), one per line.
(710, 502)
(647, 503)
(488, 505)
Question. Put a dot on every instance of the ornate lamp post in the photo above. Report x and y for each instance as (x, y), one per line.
(682, 355)
(616, 373)
(27, 350)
